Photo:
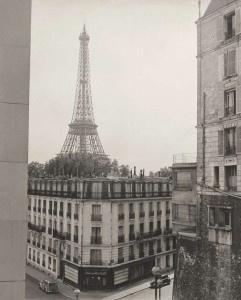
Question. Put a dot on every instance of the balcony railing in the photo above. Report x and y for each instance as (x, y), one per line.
(76, 238)
(96, 240)
(229, 34)
(120, 260)
(76, 216)
(157, 232)
(229, 150)
(121, 216)
(141, 214)
(230, 111)
(131, 257)
(132, 236)
(131, 215)
(59, 235)
(145, 235)
(121, 238)
(159, 212)
(96, 217)
(96, 262)
(61, 213)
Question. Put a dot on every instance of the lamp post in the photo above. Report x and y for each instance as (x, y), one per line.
(77, 292)
(156, 271)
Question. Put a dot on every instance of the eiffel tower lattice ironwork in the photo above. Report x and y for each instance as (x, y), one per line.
(82, 136)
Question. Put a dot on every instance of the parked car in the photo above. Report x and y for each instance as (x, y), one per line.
(161, 281)
(49, 285)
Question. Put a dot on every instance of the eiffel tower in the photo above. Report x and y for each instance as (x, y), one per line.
(82, 136)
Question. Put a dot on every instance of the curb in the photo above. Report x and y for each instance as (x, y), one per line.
(127, 295)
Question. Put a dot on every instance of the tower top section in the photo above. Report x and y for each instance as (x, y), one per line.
(84, 36)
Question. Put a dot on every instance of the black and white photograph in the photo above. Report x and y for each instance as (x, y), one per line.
(120, 149)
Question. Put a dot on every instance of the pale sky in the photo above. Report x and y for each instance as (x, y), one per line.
(142, 70)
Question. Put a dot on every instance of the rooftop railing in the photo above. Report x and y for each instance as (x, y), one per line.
(183, 158)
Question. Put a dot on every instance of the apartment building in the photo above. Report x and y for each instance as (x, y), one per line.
(99, 233)
(213, 258)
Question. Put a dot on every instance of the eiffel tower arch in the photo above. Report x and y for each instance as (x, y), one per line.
(82, 136)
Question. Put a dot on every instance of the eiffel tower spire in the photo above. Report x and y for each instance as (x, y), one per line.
(82, 136)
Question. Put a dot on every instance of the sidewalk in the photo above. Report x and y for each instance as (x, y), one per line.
(68, 291)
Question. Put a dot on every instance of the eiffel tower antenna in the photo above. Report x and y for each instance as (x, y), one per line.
(82, 136)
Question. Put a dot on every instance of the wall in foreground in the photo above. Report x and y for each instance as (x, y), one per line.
(15, 24)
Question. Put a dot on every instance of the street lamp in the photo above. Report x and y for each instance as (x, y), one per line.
(77, 292)
(156, 271)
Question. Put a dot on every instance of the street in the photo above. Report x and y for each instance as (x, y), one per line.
(34, 293)
(166, 294)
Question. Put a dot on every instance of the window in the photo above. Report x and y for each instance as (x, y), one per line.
(68, 228)
(120, 252)
(230, 103)
(141, 227)
(121, 209)
(141, 207)
(150, 226)
(120, 230)
(158, 224)
(131, 209)
(220, 216)
(158, 206)
(131, 252)
(61, 226)
(192, 213)
(131, 228)
(167, 261)
(175, 212)
(231, 178)
(229, 63)
(69, 207)
(216, 177)
(229, 25)
(230, 144)
(96, 210)
(95, 256)
(150, 206)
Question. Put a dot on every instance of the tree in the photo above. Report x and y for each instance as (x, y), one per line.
(124, 170)
(166, 172)
(35, 169)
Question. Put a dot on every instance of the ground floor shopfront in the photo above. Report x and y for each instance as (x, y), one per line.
(105, 278)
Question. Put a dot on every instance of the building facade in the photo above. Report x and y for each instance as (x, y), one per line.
(214, 256)
(15, 26)
(99, 234)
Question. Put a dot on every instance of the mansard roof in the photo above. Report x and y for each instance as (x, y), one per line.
(215, 5)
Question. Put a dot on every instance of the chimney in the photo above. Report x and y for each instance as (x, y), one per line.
(134, 171)
(143, 172)
(131, 173)
(140, 173)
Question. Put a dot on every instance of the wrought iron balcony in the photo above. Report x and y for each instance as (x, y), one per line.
(132, 236)
(121, 216)
(96, 240)
(230, 111)
(151, 213)
(229, 34)
(120, 260)
(131, 215)
(95, 262)
(157, 232)
(121, 238)
(229, 150)
(96, 217)
(76, 216)
(76, 238)
(141, 214)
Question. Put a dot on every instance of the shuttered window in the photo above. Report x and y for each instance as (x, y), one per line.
(230, 63)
